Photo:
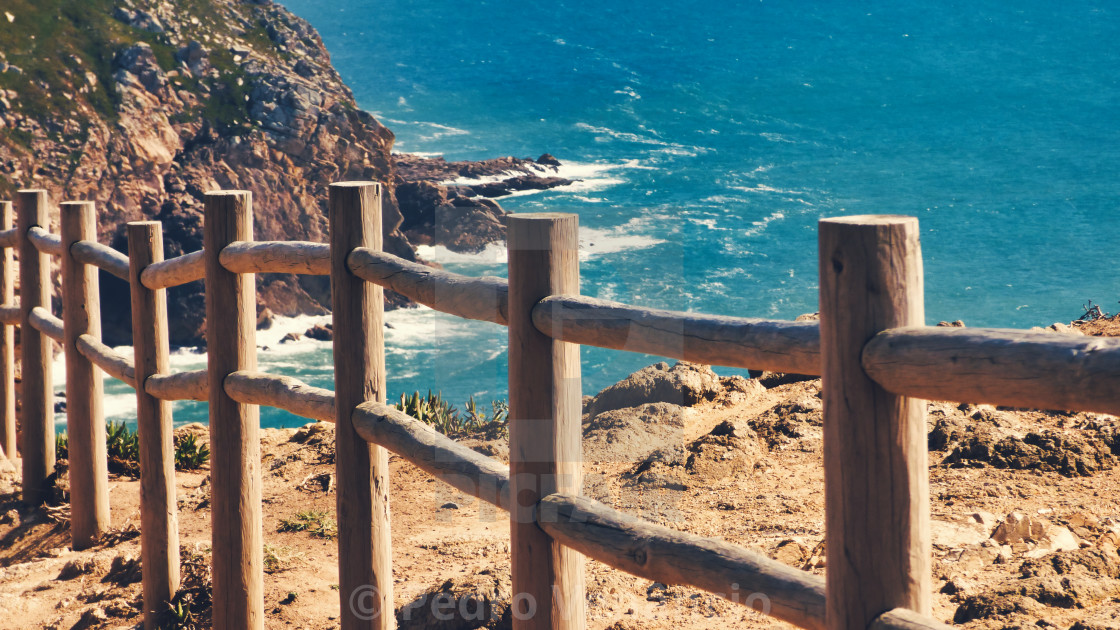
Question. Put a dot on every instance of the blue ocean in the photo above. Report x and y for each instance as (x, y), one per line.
(709, 138)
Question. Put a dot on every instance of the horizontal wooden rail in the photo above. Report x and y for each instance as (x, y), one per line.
(903, 619)
(284, 392)
(179, 386)
(44, 241)
(301, 257)
(485, 299)
(758, 344)
(174, 272)
(665, 555)
(433, 452)
(9, 237)
(101, 256)
(104, 357)
(9, 314)
(45, 322)
(1032, 369)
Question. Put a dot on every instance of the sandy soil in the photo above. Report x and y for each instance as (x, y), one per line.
(742, 463)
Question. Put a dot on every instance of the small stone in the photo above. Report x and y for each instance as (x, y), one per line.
(450, 505)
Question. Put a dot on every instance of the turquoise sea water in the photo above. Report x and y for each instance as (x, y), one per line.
(711, 137)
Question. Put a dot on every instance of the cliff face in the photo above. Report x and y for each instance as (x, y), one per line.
(144, 105)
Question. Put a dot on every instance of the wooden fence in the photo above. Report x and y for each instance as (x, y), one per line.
(876, 358)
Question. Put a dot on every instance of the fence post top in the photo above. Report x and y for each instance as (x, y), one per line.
(141, 224)
(32, 191)
(871, 219)
(72, 206)
(543, 216)
(359, 184)
(229, 193)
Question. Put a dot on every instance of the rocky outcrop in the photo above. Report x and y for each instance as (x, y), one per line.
(683, 384)
(231, 95)
(463, 216)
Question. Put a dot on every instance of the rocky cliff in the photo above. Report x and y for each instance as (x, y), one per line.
(145, 105)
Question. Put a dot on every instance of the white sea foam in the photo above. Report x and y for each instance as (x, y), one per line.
(494, 253)
(441, 131)
(763, 188)
(606, 134)
(761, 224)
(629, 236)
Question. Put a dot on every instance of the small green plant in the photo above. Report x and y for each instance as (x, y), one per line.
(445, 418)
(189, 453)
(122, 446)
(477, 420)
(278, 559)
(317, 524)
(122, 443)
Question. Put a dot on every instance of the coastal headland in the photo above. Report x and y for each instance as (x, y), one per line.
(144, 106)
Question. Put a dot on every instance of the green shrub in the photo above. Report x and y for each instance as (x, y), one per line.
(445, 418)
(189, 454)
(122, 446)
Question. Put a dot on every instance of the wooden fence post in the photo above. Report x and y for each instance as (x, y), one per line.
(7, 344)
(544, 429)
(365, 559)
(159, 527)
(235, 447)
(85, 417)
(875, 457)
(36, 389)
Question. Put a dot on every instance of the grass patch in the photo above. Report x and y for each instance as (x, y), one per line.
(278, 559)
(315, 523)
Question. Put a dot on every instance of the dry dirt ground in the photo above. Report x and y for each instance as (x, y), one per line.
(1025, 507)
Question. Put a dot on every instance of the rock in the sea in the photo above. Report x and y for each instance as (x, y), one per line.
(684, 384)
(320, 332)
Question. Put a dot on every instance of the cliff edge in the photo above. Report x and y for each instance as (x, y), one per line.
(145, 105)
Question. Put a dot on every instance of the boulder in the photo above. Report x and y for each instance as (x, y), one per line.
(631, 434)
(684, 384)
(461, 603)
(320, 332)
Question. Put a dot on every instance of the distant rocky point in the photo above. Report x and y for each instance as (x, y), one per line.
(143, 108)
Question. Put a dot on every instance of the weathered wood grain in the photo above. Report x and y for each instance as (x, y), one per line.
(665, 555)
(544, 427)
(483, 299)
(364, 542)
(44, 241)
(179, 386)
(876, 473)
(433, 452)
(282, 392)
(759, 344)
(36, 389)
(102, 256)
(301, 257)
(1017, 368)
(110, 361)
(9, 236)
(176, 271)
(10, 316)
(85, 413)
(45, 322)
(159, 513)
(235, 448)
